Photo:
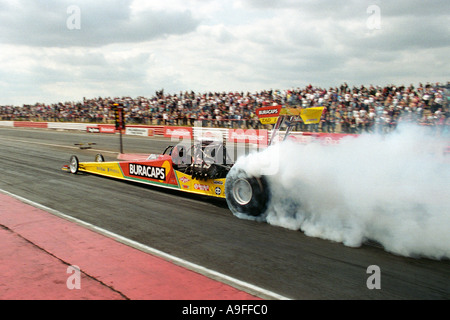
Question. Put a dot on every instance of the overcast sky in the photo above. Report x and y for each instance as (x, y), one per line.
(64, 50)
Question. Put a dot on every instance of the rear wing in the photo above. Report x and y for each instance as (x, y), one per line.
(278, 115)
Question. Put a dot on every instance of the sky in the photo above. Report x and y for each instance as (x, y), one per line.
(63, 50)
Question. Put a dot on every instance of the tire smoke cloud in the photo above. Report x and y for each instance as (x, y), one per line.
(393, 189)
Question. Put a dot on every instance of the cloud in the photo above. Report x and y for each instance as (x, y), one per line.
(126, 47)
(327, 42)
(48, 23)
(348, 8)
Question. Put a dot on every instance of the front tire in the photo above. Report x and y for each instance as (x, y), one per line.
(247, 197)
(99, 158)
(73, 164)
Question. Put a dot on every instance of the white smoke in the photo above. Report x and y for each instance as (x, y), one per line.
(392, 189)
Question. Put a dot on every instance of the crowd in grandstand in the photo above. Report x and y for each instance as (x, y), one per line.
(347, 109)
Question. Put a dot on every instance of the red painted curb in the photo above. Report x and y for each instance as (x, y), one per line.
(36, 248)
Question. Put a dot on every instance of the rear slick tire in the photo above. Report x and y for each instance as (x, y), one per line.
(247, 197)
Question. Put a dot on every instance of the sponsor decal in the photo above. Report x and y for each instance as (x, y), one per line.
(219, 182)
(107, 129)
(137, 131)
(113, 170)
(202, 187)
(145, 171)
(270, 120)
(250, 135)
(268, 112)
(93, 129)
(184, 179)
(268, 115)
(272, 111)
(218, 191)
(177, 132)
(107, 169)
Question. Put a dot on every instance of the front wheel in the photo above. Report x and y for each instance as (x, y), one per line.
(99, 158)
(247, 197)
(73, 164)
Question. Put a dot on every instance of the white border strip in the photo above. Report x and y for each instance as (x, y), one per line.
(9, 124)
(249, 288)
(69, 126)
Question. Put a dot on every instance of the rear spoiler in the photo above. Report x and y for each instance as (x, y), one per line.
(270, 115)
(278, 114)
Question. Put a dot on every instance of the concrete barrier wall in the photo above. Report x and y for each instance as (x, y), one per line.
(197, 132)
(6, 123)
(69, 126)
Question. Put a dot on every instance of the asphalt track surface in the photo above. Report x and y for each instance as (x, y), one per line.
(202, 231)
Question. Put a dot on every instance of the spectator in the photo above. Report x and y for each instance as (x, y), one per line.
(348, 109)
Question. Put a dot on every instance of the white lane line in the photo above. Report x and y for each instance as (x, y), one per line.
(242, 285)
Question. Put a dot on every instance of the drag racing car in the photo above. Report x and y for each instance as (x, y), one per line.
(202, 167)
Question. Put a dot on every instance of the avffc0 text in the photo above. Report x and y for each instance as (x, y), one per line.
(246, 309)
